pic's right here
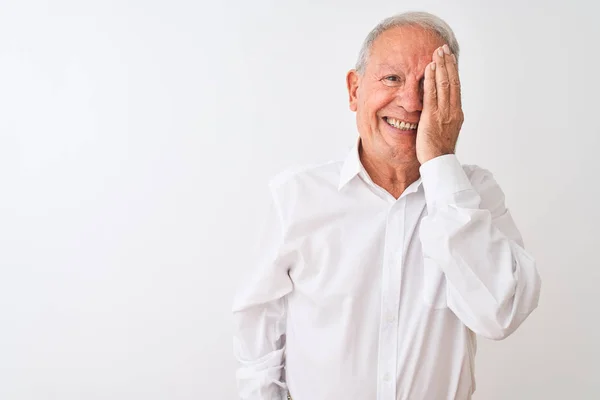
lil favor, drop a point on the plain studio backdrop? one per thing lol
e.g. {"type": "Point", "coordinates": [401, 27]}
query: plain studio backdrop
{"type": "Point", "coordinates": [137, 137]}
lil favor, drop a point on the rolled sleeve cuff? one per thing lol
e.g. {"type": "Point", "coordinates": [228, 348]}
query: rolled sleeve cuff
{"type": "Point", "coordinates": [442, 178]}
{"type": "Point", "coordinates": [262, 379]}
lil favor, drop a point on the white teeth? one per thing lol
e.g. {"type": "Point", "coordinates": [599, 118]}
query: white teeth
{"type": "Point", "coordinates": [401, 124]}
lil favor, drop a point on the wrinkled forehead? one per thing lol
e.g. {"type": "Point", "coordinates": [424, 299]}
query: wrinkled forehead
{"type": "Point", "coordinates": [409, 47]}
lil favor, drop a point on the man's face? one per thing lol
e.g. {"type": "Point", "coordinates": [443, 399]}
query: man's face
{"type": "Point", "coordinates": [390, 91]}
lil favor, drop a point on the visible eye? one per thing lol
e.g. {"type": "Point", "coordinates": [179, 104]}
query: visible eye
{"type": "Point", "coordinates": [391, 80]}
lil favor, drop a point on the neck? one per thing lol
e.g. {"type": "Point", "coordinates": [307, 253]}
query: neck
{"type": "Point", "coordinates": [391, 175]}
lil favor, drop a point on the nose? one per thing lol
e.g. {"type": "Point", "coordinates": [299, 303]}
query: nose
{"type": "Point", "coordinates": [410, 97]}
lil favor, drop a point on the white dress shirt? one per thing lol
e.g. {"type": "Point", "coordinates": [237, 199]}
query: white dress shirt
{"type": "Point", "coordinates": [358, 295]}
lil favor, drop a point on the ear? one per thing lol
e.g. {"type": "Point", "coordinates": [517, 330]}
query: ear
{"type": "Point", "coordinates": [352, 79]}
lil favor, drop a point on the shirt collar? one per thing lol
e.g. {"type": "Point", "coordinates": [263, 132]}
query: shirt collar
{"type": "Point", "coordinates": [352, 167]}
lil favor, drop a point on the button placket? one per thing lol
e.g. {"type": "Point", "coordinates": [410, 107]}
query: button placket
{"type": "Point", "coordinates": [391, 275]}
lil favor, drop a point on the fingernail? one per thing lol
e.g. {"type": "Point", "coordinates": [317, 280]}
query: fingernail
{"type": "Point", "coordinates": [454, 58]}
{"type": "Point", "coordinates": [446, 49]}
{"type": "Point", "coordinates": [432, 66]}
{"type": "Point", "coordinates": [440, 52]}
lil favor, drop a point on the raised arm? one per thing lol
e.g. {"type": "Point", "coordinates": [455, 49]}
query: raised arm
{"type": "Point", "coordinates": [492, 283]}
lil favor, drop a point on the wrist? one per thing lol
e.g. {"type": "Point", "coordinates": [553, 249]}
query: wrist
{"type": "Point", "coordinates": [430, 155]}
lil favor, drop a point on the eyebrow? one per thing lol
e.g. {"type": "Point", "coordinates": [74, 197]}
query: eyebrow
{"type": "Point", "coordinates": [389, 66]}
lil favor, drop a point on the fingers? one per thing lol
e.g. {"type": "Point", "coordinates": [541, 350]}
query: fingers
{"type": "Point", "coordinates": [441, 79]}
{"type": "Point", "coordinates": [452, 69]}
{"type": "Point", "coordinates": [430, 101]}
{"type": "Point", "coordinates": [447, 82]}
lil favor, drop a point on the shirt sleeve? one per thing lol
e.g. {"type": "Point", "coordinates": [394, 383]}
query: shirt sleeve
{"type": "Point", "coordinates": [492, 283]}
{"type": "Point", "coordinates": [259, 315]}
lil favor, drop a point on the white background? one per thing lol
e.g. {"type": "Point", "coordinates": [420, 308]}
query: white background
{"type": "Point", "coordinates": [136, 139]}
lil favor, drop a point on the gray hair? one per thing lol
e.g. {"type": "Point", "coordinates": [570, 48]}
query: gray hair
{"type": "Point", "coordinates": [424, 20]}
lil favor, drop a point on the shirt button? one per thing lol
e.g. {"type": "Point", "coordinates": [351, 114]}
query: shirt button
{"type": "Point", "coordinates": [391, 318]}
{"type": "Point", "coordinates": [387, 377]}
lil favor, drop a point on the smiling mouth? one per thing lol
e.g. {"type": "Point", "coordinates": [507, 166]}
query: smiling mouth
{"type": "Point", "coordinates": [398, 124]}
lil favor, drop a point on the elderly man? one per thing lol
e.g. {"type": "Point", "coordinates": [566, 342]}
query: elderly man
{"type": "Point", "coordinates": [378, 271]}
